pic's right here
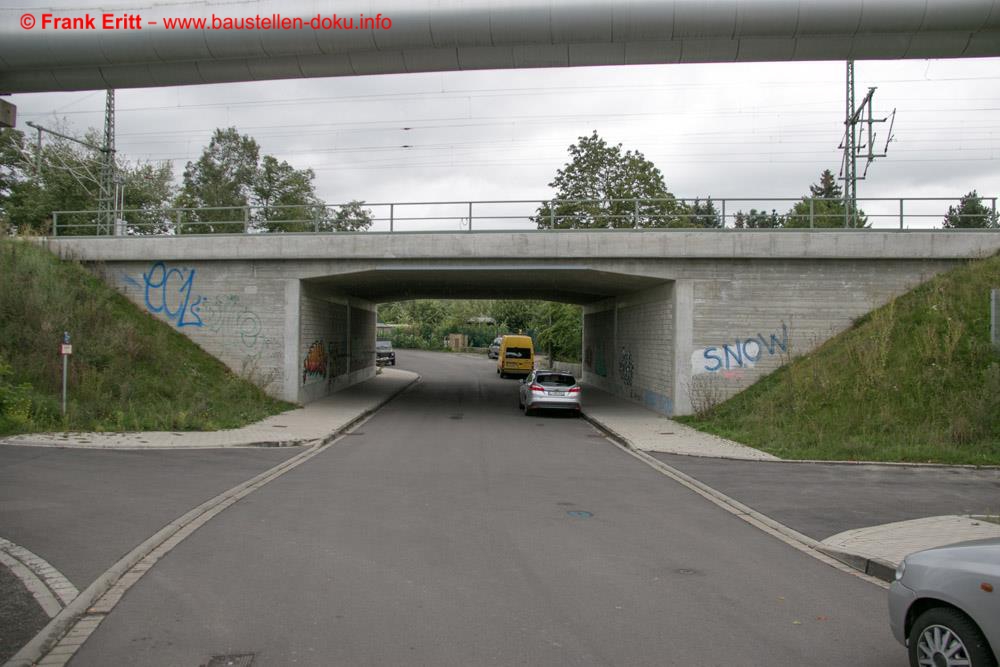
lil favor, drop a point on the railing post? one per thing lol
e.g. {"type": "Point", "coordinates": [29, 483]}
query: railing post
{"type": "Point", "coordinates": [900, 212]}
{"type": "Point", "coordinates": [392, 216]}
{"type": "Point", "coordinates": [552, 214]}
{"type": "Point", "coordinates": [246, 219]}
{"type": "Point", "coordinates": [723, 213]}
{"type": "Point", "coordinates": [470, 216]}
{"type": "Point", "coordinates": [812, 212]}
{"type": "Point", "coordinates": [635, 213]}
{"type": "Point", "coordinates": [995, 211]}
{"type": "Point", "coordinates": [180, 224]}
{"type": "Point", "coordinates": [55, 223]}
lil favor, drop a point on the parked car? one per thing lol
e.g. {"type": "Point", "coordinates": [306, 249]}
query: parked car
{"type": "Point", "coordinates": [549, 389]}
{"type": "Point", "coordinates": [494, 350]}
{"type": "Point", "coordinates": [516, 356]}
{"type": "Point", "coordinates": [944, 605]}
{"type": "Point", "coordinates": [384, 354]}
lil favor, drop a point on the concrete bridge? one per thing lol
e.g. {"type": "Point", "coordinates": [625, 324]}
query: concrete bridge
{"type": "Point", "coordinates": [672, 318]}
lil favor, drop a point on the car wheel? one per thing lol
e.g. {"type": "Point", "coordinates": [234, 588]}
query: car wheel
{"type": "Point", "coordinates": [945, 637]}
{"type": "Point", "coordinates": [503, 376]}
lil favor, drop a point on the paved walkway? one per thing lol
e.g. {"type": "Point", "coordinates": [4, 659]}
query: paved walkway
{"type": "Point", "coordinates": [301, 426]}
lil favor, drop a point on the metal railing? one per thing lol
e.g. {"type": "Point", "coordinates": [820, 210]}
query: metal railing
{"type": "Point", "coordinates": [913, 213]}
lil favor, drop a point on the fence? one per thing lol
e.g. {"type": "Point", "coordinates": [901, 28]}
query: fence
{"type": "Point", "coordinates": [911, 213]}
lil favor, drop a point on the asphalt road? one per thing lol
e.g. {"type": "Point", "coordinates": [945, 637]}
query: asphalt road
{"type": "Point", "coordinates": [452, 530]}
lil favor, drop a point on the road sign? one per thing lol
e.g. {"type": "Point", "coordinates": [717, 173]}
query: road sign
{"type": "Point", "coordinates": [65, 349]}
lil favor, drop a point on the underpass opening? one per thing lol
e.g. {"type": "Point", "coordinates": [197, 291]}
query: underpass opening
{"type": "Point", "coordinates": [625, 327]}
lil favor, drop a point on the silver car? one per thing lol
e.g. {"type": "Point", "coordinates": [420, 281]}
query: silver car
{"type": "Point", "coordinates": [549, 389]}
{"type": "Point", "coordinates": [945, 605]}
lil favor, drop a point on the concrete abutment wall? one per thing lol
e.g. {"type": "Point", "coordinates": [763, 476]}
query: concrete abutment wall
{"type": "Point", "coordinates": [296, 341]}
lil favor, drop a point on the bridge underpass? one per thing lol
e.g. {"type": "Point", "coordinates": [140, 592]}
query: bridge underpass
{"type": "Point", "coordinates": [671, 317]}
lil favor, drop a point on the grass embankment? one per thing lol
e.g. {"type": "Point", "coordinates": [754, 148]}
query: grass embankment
{"type": "Point", "coordinates": [916, 380]}
{"type": "Point", "coordinates": [128, 371]}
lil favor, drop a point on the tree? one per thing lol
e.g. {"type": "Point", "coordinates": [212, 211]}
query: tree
{"type": "Point", "coordinates": [222, 178]}
{"type": "Point", "coordinates": [62, 176]}
{"type": "Point", "coordinates": [970, 214]}
{"type": "Point", "coordinates": [704, 215]}
{"type": "Point", "coordinates": [257, 192]}
{"type": "Point", "coordinates": [824, 207]}
{"type": "Point", "coordinates": [148, 189]}
{"type": "Point", "coordinates": [758, 220]}
{"type": "Point", "coordinates": [286, 198]}
{"type": "Point", "coordinates": [351, 217]}
{"type": "Point", "coordinates": [603, 187]}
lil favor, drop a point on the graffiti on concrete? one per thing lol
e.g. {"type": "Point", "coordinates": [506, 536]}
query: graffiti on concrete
{"type": "Point", "coordinates": [742, 353]}
{"type": "Point", "coordinates": [169, 292]}
{"type": "Point", "coordinates": [626, 368]}
{"type": "Point", "coordinates": [657, 401]}
{"type": "Point", "coordinates": [228, 316]}
{"type": "Point", "coordinates": [314, 367]}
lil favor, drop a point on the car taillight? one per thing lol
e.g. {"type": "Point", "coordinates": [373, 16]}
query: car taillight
{"type": "Point", "coordinates": [536, 387]}
{"type": "Point", "coordinates": [574, 390]}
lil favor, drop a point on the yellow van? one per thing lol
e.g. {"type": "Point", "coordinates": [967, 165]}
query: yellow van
{"type": "Point", "coordinates": [516, 357]}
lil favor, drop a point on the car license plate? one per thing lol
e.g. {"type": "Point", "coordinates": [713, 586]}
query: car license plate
{"type": "Point", "coordinates": [558, 393]}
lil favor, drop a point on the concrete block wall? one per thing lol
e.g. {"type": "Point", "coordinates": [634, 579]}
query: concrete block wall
{"type": "Point", "coordinates": [760, 314]}
{"type": "Point", "coordinates": [629, 347]}
{"type": "Point", "coordinates": [227, 308]}
{"type": "Point", "coordinates": [336, 342]}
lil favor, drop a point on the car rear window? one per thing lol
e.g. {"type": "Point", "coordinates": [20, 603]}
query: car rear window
{"type": "Point", "coordinates": [383, 345]}
{"type": "Point", "coordinates": [518, 353]}
{"type": "Point", "coordinates": [561, 380]}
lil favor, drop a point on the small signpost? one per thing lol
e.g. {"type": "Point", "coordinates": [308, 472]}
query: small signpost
{"type": "Point", "coordinates": [65, 350]}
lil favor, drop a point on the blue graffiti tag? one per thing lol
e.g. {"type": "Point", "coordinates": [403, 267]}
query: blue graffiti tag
{"type": "Point", "coordinates": [745, 352]}
{"type": "Point", "coordinates": [159, 293]}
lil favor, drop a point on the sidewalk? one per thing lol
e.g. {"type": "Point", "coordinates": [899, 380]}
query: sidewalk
{"type": "Point", "coordinates": [300, 426]}
{"type": "Point", "coordinates": [860, 514]}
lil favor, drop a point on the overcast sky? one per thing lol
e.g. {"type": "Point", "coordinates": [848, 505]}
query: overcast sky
{"type": "Point", "coordinates": [720, 130]}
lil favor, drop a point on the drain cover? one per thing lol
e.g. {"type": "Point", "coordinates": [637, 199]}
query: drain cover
{"type": "Point", "coordinates": [458, 416]}
{"type": "Point", "coordinates": [237, 660]}
{"type": "Point", "coordinates": [580, 514]}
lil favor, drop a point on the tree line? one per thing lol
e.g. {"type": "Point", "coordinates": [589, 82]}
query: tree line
{"type": "Point", "coordinates": [604, 186]}
{"type": "Point", "coordinates": [233, 186]}
{"type": "Point", "coordinates": [557, 328]}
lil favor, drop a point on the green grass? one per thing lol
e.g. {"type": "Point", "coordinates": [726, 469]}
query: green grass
{"type": "Point", "coordinates": [916, 380]}
{"type": "Point", "coordinates": [128, 371]}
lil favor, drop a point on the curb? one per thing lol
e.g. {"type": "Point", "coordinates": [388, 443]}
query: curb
{"type": "Point", "coordinates": [850, 563]}
{"type": "Point", "coordinates": [43, 642]}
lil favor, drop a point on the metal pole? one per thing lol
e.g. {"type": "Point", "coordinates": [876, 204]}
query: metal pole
{"type": "Point", "coordinates": [723, 213]}
{"type": "Point", "coordinates": [850, 163]}
{"type": "Point", "coordinates": [635, 213]}
{"type": "Point", "coordinates": [246, 219]}
{"type": "Point", "coordinates": [900, 212]}
{"type": "Point", "coordinates": [470, 216]}
{"type": "Point", "coordinates": [995, 319]}
{"type": "Point", "coordinates": [812, 211]}
{"type": "Point", "coordinates": [392, 215]}
{"type": "Point", "coordinates": [65, 375]}
{"type": "Point", "coordinates": [55, 223]}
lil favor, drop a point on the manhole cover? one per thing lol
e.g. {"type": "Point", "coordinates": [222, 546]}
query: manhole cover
{"type": "Point", "coordinates": [685, 570]}
{"type": "Point", "coordinates": [580, 514]}
{"type": "Point", "coordinates": [278, 426]}
{"type": "Point", "coordinates": [240, 660]}
{"type": "Point", "coordinates": [666, 433]}
{"type": "Point", "coordinates": [458, 416]}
